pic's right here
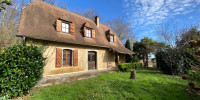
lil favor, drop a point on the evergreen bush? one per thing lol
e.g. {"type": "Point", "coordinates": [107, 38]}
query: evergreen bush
{"type": "Point", "coordinates": [124, 67]}
{"type": "Point", "coordinates": [172, 61]}
{"type": "Point", "coordinates": [21, 67]}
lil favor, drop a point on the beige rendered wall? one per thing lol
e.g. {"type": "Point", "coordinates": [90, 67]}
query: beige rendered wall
{"type": "Point", "coordinates": [104, 58]}
{"type": "Point", "coordinates": [121, 58]}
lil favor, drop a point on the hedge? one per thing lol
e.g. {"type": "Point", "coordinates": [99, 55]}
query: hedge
{"type": "Point", "coordinates": [124, 67]}
{"type": "Point", "coordinates": [179, 64]}
{"type": "Point", "coordinates": [21, 67]}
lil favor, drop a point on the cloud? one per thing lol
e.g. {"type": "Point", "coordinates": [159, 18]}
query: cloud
{"type": "Point", "coordinates": [148, 12]}
{"type": "Point", "coordinates": [190, 17]}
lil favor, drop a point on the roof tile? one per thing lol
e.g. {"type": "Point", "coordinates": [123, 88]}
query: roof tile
{"type": "Point", "coordinates": [38, 21]}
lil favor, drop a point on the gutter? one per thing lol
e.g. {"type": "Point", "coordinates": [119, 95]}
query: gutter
{"type": "Point", "coordinates": [24, 41]}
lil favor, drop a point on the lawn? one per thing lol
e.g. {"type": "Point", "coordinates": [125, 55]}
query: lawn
{"type": "Point", "coordinates": [149, 85]}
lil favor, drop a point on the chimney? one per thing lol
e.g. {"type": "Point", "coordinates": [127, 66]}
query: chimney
{"type": "Point", "coordinates": [97, 21]}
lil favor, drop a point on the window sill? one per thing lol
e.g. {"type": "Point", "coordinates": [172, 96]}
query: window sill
{"type": "Point", "coordinates": [66, 66]}
{"type": "Point", "coordinates": [65, 33]}
{"type": "Point", "coordinates": [89, 38]}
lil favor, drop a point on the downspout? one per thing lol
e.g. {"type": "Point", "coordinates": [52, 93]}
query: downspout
{"type": "Point", "coordinates": [24, 40]}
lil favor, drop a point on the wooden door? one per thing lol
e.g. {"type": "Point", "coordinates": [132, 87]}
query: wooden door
{"type": "Point", "coordinates": [91, 60]}
{"type": "Point", "coordinates": [116, 59]}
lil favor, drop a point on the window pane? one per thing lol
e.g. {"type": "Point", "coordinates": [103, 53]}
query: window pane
{"type": "Point", "coordinates": [68, 62]}
{"type": "Point", "coordinates": [67, 30]}
{"type": "Point", "coordinates": [64, 62]}
{"type": "Point", "coordinates": [64, 52]}
{"type": "Point", "coordinates": [67, 25]}
{"type": "Point", "coordinates": [93, 57]}
{"type": "Point", "coordinates": [64, 57]}
{"type": "Point", "coordinates": [63, 29]}
{"type": "Point", "coordinates": [111, 38]}
{"type": "Point", "coordinates": [63, 25]}
{"type": "Point", "coordinates": [69, 57]}
{"type": "Point", "coordinates": [88, 33]}
{"type": "Point", "coordinates": [88, 57]}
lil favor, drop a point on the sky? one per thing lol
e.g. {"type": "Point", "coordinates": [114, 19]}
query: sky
{"type": "Point", "coordinates": [143, 15]}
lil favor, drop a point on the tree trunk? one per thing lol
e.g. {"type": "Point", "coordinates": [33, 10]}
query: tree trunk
{"type": "Point", "coordinates": [147, 61]}
{"type": "Point", "coordinates": [133, 74]}
{"type": "Point", "coordinates": [144, 61]}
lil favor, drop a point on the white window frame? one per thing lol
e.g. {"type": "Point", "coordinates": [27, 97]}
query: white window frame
{"type": "Point", "coordinates": [65, 27]}
{"type": "Point", "coordinates": [112, 38]}
{"type": "Point", "coordinates": [88, 33]}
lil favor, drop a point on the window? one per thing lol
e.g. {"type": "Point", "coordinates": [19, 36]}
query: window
{"type": "Point", "coordinates": [67, 57]}
{"type": "Point", "coordinates": [65, 27]}
{"type": "Point", "coordinates": [111, 38]}
{"type": "Point", "coordinates": [88, 33]}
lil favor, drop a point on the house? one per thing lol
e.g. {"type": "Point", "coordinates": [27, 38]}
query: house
{"type": "Point", "coordinates": [72, 43]}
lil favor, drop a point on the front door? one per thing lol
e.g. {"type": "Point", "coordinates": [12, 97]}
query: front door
{"type": "Point", "coordinates": [91, 60]}
{"type": "Point", "coordinates": [116, 59]}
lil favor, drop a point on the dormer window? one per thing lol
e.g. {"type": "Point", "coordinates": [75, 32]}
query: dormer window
{"type": "Point", "coordinates": [88, 33]}
{"type": "Point", "coordinates": [65, 27]}
{"type": "Point", "coordinates": [111, 38]}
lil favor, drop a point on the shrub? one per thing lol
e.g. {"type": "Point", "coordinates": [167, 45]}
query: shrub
{"type": "Point", "coordinates": [194, 75]}
{"type": "Point", "coordinates": [124, 67]}
{"type": "Point", "coordinates": [21, 67]}
{"type": "Point", "coordinates": [172, 61]}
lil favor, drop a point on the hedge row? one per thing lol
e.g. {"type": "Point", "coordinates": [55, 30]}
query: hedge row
{"type": "Point", "coordinates": [21, 67]}
{"type": "Point", "coordinates": [124, 67]}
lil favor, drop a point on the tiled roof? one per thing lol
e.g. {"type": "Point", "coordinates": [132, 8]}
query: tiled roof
{"type": "Point", "coordinates": [38, 21]}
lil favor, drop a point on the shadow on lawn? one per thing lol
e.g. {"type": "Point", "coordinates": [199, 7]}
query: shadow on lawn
{"type": "Point", "coordinates": [147, 72]}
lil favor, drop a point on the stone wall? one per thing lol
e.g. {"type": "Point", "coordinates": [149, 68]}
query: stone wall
{"type": "Point", "coordinates": [69, 77]}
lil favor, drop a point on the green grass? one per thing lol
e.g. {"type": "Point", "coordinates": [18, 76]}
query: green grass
{"type": "Point", "coordinates": [149, 85]}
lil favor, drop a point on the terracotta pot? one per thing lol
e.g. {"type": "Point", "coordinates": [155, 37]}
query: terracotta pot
{"type": "Point", "coordinates": [197, 89]}
{"type": "Point", "coordinates": [185, 77]}
{"type": "Point", "coordinates": [192, 84]}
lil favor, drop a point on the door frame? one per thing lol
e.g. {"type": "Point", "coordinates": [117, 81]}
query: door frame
{"type": "Point", "coordinates": [97, 67]}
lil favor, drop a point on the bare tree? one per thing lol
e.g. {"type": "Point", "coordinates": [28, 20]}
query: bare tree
{"type": "Point", "coordinates": [4, 3]}
{"type": "Point", "coordinates": [172, 33]}
{"type": "Point", "coordinates": [90, 13]}
{"type": "Point", "coordinates": [52, 2]}
{"type": "Point", "coordinates": [9, 20]}
{"type": "Point", "coordinates": [121, 28]}
{"type": "Point", "coordinates": [177, 39]}
{"type": "Point", "coordinates": [78, 12]}
{"type": "Point", "coordinates": [25, 2]}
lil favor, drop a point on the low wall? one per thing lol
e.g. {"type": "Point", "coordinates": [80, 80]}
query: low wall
{"type": "Point", "coordinates": [69, 77]}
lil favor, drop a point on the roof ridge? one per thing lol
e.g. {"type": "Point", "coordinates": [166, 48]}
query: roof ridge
{"type": "Point", "coordinates": [64, 10]}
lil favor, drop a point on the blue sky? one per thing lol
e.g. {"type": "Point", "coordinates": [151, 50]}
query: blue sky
{"type": "Point", "coordinates": [107, 9]}
{"type": "Point", "coordinates": [144, 15]}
